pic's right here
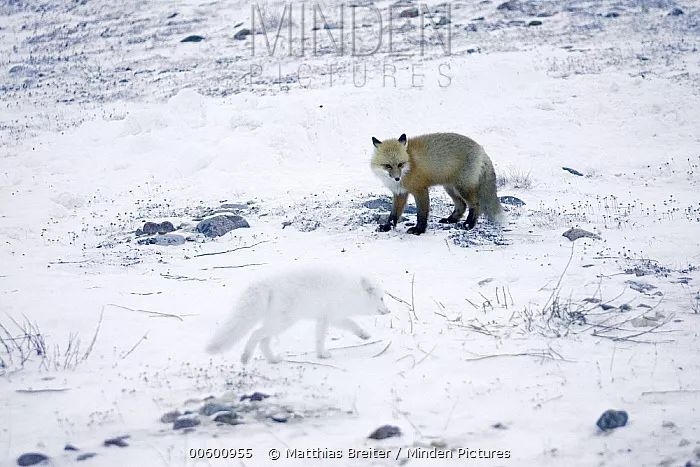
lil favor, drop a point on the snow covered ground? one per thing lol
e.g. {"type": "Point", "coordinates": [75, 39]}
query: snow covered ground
{"type": "Point", "coordinates": [501, 340]}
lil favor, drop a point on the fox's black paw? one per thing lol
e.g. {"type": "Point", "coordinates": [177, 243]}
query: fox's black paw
{"type": "Point", "coordinates": [416, 230]}
{"type": "Point", "coordinates": [384, 227]}
{"type": "Point", "coordinates": [468, 225]}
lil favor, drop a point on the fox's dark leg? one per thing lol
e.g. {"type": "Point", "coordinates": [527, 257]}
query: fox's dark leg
{"type": "Point", "coordinates": [460, 206]}
{"type": "Point", "coordinates": [423, 205]}
{"type": "Point", "coordinates": [471, 195]}
{"type": "Point", "coordinates": [396, 211]}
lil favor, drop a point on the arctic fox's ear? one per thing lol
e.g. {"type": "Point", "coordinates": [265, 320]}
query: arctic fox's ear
{"type": "Point", "coordinates": [376, 142]}
{"type": "Point", "coordinates": [402, 139]}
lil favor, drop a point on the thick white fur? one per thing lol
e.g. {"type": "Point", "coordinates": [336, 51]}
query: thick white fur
{"type": "Point", "coordinates": [324, 294]}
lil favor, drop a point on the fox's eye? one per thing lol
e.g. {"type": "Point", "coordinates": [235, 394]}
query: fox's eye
{"type": "Point", "coordinates": [401, 165]}
{"type": "Point", "coordinates": [387, 166]}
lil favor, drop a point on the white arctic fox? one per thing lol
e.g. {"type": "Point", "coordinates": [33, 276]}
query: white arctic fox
{"type": "Point", "coordinates": [326, 295]}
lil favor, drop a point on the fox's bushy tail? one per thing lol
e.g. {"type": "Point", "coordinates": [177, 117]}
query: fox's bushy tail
{"type": "Point", "coordinates": [243, 319]}
{"type": "Point", "coordinates": [488, 199]}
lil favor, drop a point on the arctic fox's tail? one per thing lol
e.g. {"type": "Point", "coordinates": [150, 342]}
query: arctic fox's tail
{"type": "Point", "coordinates": [241, 321]}
{"type": "Point", "coordinates": [488, 199]}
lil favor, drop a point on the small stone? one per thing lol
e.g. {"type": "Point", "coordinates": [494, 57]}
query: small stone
{"type": "Point", "coordinates": [612, 419]}
{"type": "Point", "coordinates": [255, 397]}
{"type": "Point", "coordinates": [70, 447]}
{"type": "Point", "coordinates": [211, 408]}
{"type": "Point", "coordinates": [279, 418]}
{"type": "Point", "coordinates": [228, 417]}
{"type": "Point", "coordinates": [683, 442]}
{"type": "Point", "coordinates": [625, 307]}
{"type": "Point", "coordinates": [32, 458]}
{"type": "Point", "coordinates": [641, 287]}
{"type": "Point", "coordinates": [573, 171]}
{"type": "Point", "coordinates": [409, 13]}
{"type": "Point", "coordinates": [163, 240]}
{"type": "Point", "coordinates": [118, 441]}
{"type": "Point", "coordinates": [149, 228]}
{"type": "Point", "coordinates": [511, 200]}
{"type": "Point", "coordinates": [575, 233]}
{"type": "Point", "coordinates": [511, 5]}
{"type": "Point", "coordinates": [442, 21]}
{"type": "Point", "coordinates": [193, 38]}
{"type": "Point", "coordinates": [385, 431]}
{"type": "Point", "coordinates": [499, 426]}
{"type": "Point", "coordinates": [535, 22]}
{"type": "Point", "coordinates": [606, 306]}
{"type": "Point", "coordinates": [220, 225]}
{"type": "Point", "coordinates": [186, 421]}
{"type": "Point", "coordinates": [170, 417]}
{"type": "Point", "coordinates": [675, 12]}
{"type": "Point", "coordinates": [85, 456]}
{"type": "Point", "coordinates": [242, 34]}
{"type": "Point", "coordinates": [668, 424]}
{"type": "Point", "coordinates": [612, 14]}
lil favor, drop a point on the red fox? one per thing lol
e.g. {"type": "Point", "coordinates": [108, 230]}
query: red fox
{"type": "Point", "coordinates": [454, 161]}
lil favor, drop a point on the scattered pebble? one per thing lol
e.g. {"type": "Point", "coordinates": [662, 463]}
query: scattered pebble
{"type": "Point", "coordinates": [409, 13]}
{"type": "Point", "coordinates": [612, 419]}
{"type": "Point", "coordinates": [118, 441]}
{"type": "Point", "coordinates": [535, 22]}
{"type": "Point", "coordinates": [573, 171]}
{"type": "Point", "coordinates": [675, 12]}
{"type": "Point", "coordinates": [625, 307]}
{"type": "Point", "coordinates": [85, 456]}
{"type": "Point", "coordinates": [186, 421]}
{"type": "Point", "coordinates": [242, 34]}
{"type": "Point", "coordinates": [152, 228]}
{"type": "Point", "coordinates": [70, 447]}
{"type": "Point", "coordinates": [170, 417]}
{"type": "Point", "coordinates": [575, 233]}
{"type": "Point", "coordinates": [511, 201]}
{"type": "Point", "coordinates": [612, 14]}
{"type": "Point", "coordinates": [32, 458]}
{"type": "Point", "coordinates": [193, 38]}
{"type": "Point", "coordinates": [229, 418]}
{"type": "Point", "coordinates": [385, 431]}
{"type": "Point", "coordinates": [641, 287]}
{"type": "Point", "coordinates": [211, 408]}
{"type": "Point", "coordinates": [163, 240]}
{"type": "Point", "coordinates": [255, 397]}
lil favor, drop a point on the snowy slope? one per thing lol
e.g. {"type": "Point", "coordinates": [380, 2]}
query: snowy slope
{"type": "Point", "coordinates": [497, 340]}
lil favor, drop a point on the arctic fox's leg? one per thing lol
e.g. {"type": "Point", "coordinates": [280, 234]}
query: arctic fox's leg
{"type": "Point", "coordinates": [321, 331]}
{"type": "Point", "coordinates": [353, 327]}
{"type": "Point", "coordinates": [267, 351]}
{"type": "Point", "coordinates": [251, 344]}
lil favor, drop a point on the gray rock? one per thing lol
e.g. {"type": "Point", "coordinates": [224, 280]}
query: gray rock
{"type": "Point", "coordinates": [573, 171]}
{"type": "Point", "coordinates": [575, 233]}
{"type": "Point", "coordinates": [279, 418]}
{"type": "Point", "coordinates": [152, 228]}
{"type": "Point", "coordinates": [117, 441]}
{"type": "Point", "coordinates": [170, 417]}
{"type": "Point", "coordinates": [228, 418]}
{"type": "Point", "coordinates": [32, 458]}
{"type": "Point", "coordinates": [255, 397]}
{"type": "Point", "coordinates": [535, 22]}
{"type": "Point", "coordinates": [210, 408]}
{"type": "Point", "coordinates": [511, 5]}
{"type": "Point", "coordinates": [612, 419]}
{"type": "Point", "coordinates": [385, 431]}
{"type": "Point", "coordinates": [70, 447]}
{"type": "Point", "coordinates": [675, 12]}
{"type": "Point", "coordinates": [242, 34]}
{"type": "Point", "coordinates": [625, 307]}
{"type": "Point", "coordinates": [220, 225]}
{"type": "Point", "coordinates": [409, 13]}
{"type": "Point", "coordinates": [193, 38]}
{"type": "Point", "coordinates": [85, 456]}
{"type": "Point", "coordinates": [612, 14]}
{"type": "Point", "coordinates": [163, 240]}
{"type": "Point", "coordinates": [186, 421]}
{"type": "Point", "coordinates": [511, 200]}
{"type": "Point", "coordinates": [641, 287]}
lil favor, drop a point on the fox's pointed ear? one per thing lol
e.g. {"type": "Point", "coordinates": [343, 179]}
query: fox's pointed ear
{"type": "Point", "coordinates": [376, 142]}
{"type": "Point", "coordinates": [402, 139]}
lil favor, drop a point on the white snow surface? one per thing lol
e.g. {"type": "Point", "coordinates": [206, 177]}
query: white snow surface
{"type": "Point", "coordinates": [496, 340]}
